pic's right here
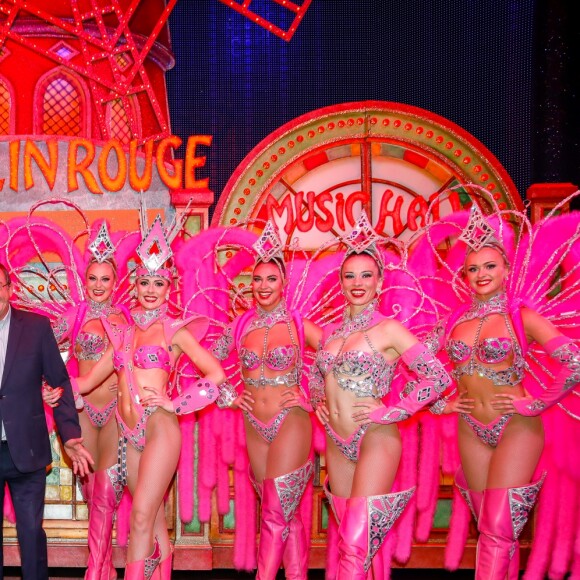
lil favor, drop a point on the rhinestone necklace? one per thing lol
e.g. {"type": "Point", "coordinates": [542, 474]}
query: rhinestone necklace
{"type": "Point", "coordinates": [98, 309]}
{"type": "Point", "coordinates": [269, 318]}
{"type": "Point", "coordinates": [145, 318]}
{"type": "Point", "coordinates": [360, 321]}
{"type": "Point", "coordinates": [497, 304]}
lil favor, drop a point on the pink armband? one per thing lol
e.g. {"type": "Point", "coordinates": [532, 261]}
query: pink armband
{"type": "Point", "coordinates": [79, 403]}
{"type": "Point", "coordinates": [566, 352]}
{"type": "Point", "coordinates": [196, 396]}
{"type": "Point", "coordinates": [412, 353]}
{"type": "Point", "coordinates": [555, 343]}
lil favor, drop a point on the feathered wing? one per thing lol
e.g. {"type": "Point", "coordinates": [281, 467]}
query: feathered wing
{"type": "Point", "coordinates": [214, 267]}
{"type": "Point", "coordinates": [48, 264]}
{"type": "Point", "coordinates": [544, 275]}
{"type": "Point", "coordinates": [210, 265]}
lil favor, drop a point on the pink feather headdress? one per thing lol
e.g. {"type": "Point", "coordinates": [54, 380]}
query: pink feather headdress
{"type": "Point", "coordinates": [155, 248]}
{"type": "Point", "coordinates": [363, 240]}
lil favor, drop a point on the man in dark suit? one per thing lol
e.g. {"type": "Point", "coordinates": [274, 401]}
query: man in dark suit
{"type": "Point", "coordinates": [29, 354]}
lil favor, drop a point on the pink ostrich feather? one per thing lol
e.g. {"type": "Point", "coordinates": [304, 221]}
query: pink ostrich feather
{"type": "Point", "coordinates": [458, 531]}
{"type": "Point", "coordinates": [9, 507]}
{"type": "Point", "coordinates": [185, 467]}
{"type": "Point", "coordinates": [428, 481]}
{"type": "Point", "coordinates": [546, 510]}
{"type": "Point", "coordinates": [407, 478]}
{"type": "Point", "coordinates": [566, 527]}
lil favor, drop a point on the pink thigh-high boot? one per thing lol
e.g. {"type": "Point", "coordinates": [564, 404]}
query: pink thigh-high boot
{"type": "Point", "coordinates": [147, 569]}
{"type": "Point", "coordinates": [504, 513]}
{"type": "Point", "coordinates": [87, 484]}
{"type": "Point", "coordinates": [280, 500]}
{"type": "Point", "coordinates": [295, 557]}
{"type": "Point", "coordinates": [363, 529]}
{"type": "Point", "coordinates": [473, 499]}
{"type": "Point", "coordinates": [105, 498]}
{"type": "Point", "coordinates": [165, 566]}
{"type": "Point", "coordinates": [338, 506]}
{"type": "Point", "coordinates": [337, 503]}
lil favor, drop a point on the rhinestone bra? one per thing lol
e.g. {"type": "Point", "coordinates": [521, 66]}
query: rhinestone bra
{"type": "Point", "coordinates": [363, 373]}
{"type": "Point", "coordinates": [279, 358]}
{"type": "Point", "coordinates": [488, 350]}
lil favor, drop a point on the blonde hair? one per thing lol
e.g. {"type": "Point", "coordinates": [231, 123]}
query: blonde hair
{"type": "Point", "coordinates": [494, 245]}
{"type": "Point", "coordinates": [110, 261]}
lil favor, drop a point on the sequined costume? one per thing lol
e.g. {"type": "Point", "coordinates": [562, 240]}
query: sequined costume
{"type": "Point", "coordinates": [531, 368]}
{"type": "Point", "coordinates": [281, 358]}
{"type": "Point", "coordinates": [89, 345]}
{"type": "Point", "coordinates": [125, 358]}
{"type": "Point", "coordinates": [369, 375]}
{"type": "Point", "coordinates": [364, 522]}
{"type": "Point", "coordinates": [475, 359]}
{"type": "Point", "coordinates": [283, 536]}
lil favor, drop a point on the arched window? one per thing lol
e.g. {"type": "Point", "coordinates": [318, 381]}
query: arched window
{"type": "Point", "coordinates": [122, 120]}
{"type": "Point", "coordinates": [61, 105]}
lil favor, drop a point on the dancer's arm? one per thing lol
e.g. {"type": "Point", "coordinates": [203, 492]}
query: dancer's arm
{"type": "Point", "coordinates": [101, 371]}
{"type": "Point", "coordinates": [450, 402]}
{"type": "Point", "coordinates": [194, 395]}
{"type": "Point", "coordinates": [296, 397]}
{"type": "Point", "coordinates": [432, 380]}
{"type": "Point", "coordinates": [562, 349]}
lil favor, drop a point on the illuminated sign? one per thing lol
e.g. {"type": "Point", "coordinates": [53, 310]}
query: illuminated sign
{"type": "Point", "coordinates": [71, 165]}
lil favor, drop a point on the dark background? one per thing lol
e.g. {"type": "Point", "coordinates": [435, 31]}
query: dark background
{"type": "Point", "coordinates": [506, 71]}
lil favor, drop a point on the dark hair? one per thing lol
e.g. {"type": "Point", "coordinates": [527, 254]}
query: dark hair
{"type": "Point", "coordinates": [366, 252]}
{"type": "Point", "coordinates": [278, 261]}
{"type": "Point", "coordinates": [4, 269]}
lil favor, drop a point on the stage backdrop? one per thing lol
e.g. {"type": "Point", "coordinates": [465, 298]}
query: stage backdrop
{"type": "Point", "coordinates": [470, 62]}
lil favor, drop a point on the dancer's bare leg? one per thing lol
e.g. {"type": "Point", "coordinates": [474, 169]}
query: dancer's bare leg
{"type": "Point", "coordinates": [149, 475]}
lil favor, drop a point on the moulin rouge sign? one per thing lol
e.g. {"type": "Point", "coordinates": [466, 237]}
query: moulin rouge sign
{"type": "Point", "coordinates": [81, 164]}
{"type": "Point", "coordinates": [51, 165]}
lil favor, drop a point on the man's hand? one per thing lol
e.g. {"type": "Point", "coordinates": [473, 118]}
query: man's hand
{"type": "Point", "coordinates": [81, 458]}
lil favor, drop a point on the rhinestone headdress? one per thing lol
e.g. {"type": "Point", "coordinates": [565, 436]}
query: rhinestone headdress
{"type": "Point", "coordinates": [363, 240]}
{"type": "Point", "coordinates": [155, 247]}
{"type": "Point", "coordinates": [478, 232]}
{"type": "Point", "coordinates": [102, 248]}
{"type": "Point", "coordinates": [269, 245]}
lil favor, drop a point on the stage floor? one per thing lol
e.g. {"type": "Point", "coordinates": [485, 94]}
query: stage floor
{"type": "Point", "coordinates": [396, 574]}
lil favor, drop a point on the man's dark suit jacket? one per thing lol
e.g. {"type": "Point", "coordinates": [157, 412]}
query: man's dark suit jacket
{"type": "Point", "coordinates": [32, 355]}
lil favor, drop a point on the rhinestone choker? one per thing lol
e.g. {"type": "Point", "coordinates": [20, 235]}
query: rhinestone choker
{"type": "Point", "coordinates": [145, 318]}
{"type": "Point", "coordinates": [360, 321]}
{"type": "Point", "coordinates": [497, 304]}
{"type": "Point", "coordinates": [269, 318]}
{"type": "Point", "coordinates": [98, 309]}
